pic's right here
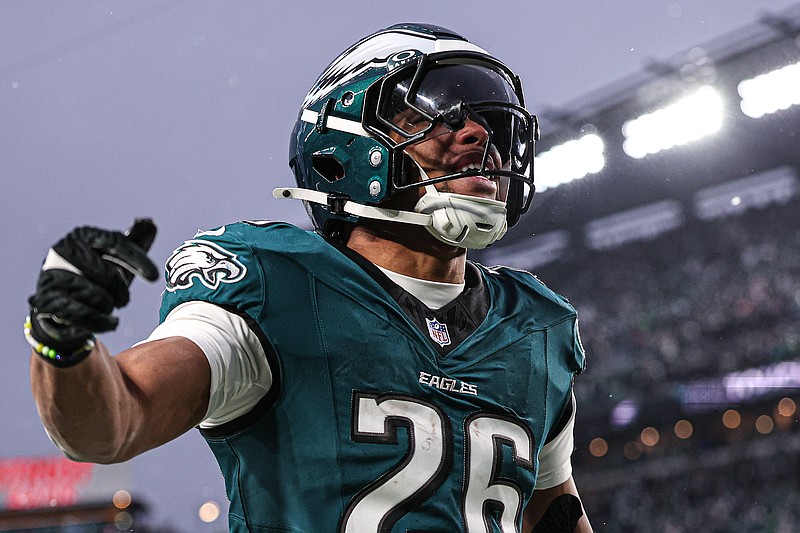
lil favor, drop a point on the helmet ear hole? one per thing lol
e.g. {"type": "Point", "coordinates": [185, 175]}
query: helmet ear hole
{"type": "Point", "coordinates": [328, 167]}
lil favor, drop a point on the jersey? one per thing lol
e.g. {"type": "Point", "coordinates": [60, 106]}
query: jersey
{"type": "Point", "coordinates": [373, 422]}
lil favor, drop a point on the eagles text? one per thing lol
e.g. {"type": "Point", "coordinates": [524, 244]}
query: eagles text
{"type": "Point", "coordinates": [448, 384]}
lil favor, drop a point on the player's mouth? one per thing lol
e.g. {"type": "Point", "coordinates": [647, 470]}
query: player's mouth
{"type": "Point", "coordinates": [472, 160]}
{"type": "Point", "coordinates": [477, 166]}
{"type": "Point", "coordinates": [475, 183]}
{"type": "Point", "coordinates": [473, 163]}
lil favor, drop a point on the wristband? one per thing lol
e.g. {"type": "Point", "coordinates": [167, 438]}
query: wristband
{"type": "Point", "coordinates": [51, 355]}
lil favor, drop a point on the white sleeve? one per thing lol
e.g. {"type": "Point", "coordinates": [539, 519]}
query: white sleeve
{"type": "Point", "coordinates": [240, 373]}
{"type": "Point", "coordinates": [555, 466]}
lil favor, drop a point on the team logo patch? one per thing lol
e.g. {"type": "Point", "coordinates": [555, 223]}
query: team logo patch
{"type": "Point", "coordinates": [205, 261]}
{"type": "Point", "coordinates": [438, 332]}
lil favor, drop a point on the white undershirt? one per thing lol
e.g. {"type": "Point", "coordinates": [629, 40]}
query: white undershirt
{"type": "Point", "coordinates": [434, 294]}
{"type": "Point", "coordinates": [241, 376]}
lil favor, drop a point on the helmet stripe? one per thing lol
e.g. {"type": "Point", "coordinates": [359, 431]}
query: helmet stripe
{"type": "Point", "coordinates": [336, 123]}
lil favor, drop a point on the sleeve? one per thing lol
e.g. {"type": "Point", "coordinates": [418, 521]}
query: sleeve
{"type": "Point", "coordinates": [555, 465]}
{"type": "Point", "coordinates": [217, 266]}
{"type": "Point", "coordinates": [240, 373]}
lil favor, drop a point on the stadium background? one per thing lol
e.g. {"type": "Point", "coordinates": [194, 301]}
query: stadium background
{"type": "Point", "coordinates": [684, 264]}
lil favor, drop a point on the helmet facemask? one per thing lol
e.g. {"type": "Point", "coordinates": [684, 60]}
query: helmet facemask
{"type": "Point", "coordinates": [438, 96]}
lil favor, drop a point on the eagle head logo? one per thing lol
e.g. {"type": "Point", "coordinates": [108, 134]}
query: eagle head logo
{"type": "Point", "coordinates": [205, 261]}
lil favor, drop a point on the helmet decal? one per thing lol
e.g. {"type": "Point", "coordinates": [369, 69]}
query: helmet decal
{"type": "Point", "coordinates": [389, 50]}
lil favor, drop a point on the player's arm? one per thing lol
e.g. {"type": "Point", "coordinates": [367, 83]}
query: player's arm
{"type": "Point", "coordinates": [97, 407]}
{"type": "Point", "coordinates": [556, 510]}
{"type": "Point", "coordinates": [555, 506]}
{"type": "Point", "coordinates": [108, 409]}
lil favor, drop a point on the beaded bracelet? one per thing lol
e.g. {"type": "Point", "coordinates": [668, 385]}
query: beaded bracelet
{"type": "Point", "coordinates": [51, 355]}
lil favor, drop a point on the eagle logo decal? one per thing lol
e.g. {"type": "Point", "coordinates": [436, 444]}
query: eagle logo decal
{"type": "Point", "coordinates": [387, 50]}
{"type": "Point", "coordinates": [204, 261]}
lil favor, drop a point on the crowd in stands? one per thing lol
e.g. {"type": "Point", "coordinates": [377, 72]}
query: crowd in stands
{"type": "Point", "coordinates": [701, 301]}
{"type": "Point", "coordinates": [754, 490]}
{"type": "Point", "coordinates": [706, 299]}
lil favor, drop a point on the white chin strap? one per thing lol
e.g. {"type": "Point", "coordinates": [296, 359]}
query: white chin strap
{"type": "Point", "coordinates": [461, 220]}
{"type": "Point", "coordinates": [455, 219]}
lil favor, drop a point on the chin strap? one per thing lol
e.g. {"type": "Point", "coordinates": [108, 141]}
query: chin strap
{"type": "Point", "coordinates": [339, 205]}
{"type": "Point", "coordinates": [455, 219]}
{"type": "Point", "coordinates": [461, 220]}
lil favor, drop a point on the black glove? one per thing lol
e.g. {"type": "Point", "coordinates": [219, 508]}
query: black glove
{"type": "Point", "coordinates": [85, 277]}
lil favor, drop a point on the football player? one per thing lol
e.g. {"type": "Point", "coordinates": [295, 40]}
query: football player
{"type": "Point", "coordinates": [362, 377]}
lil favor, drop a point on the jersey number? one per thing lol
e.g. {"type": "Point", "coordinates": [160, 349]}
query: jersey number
{"type": "Point", "coordinates": [427, 461]}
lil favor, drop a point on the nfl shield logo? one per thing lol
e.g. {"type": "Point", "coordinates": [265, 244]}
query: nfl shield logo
{"type": "Point", "coordinates": [438, 332]}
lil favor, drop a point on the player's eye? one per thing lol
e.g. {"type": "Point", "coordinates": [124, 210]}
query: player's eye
{"type": "Point", "coordinates": [414, 121]}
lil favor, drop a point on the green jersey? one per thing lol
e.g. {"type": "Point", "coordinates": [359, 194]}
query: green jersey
{"type": "Point", "coordinates": [383, 415]}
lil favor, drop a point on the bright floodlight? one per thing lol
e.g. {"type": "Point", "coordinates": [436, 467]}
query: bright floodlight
{"type": "Point", "coordinates": [689, 119]}
{"type": "Point", "coordinates": [771, 92]}
{"type": "Point", "coordinates": [569, 161]}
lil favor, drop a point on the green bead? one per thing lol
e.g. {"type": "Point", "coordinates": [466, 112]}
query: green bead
{"type": "Point", "coordinates": [51, 353]}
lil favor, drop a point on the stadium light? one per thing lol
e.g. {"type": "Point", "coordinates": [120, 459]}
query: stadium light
{"type": "Point", "coordinates": [689, 119]}
{"type": "Point", "coordinates": [569, 161]}
{"type": "Point", "coordinates": [770, 92]}
{"type": "Point", "coordinates": [209, 512]}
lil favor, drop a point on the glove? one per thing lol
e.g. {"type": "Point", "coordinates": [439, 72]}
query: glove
{"type": "Point", "coordinates": [85, 276]}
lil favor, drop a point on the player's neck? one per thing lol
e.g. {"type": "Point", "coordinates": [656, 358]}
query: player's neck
{"type": "Point", "coordinates": [414, 253]}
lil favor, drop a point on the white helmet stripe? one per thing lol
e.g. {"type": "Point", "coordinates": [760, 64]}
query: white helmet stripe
{"type": "Point", "coordinates": [336, 123]}
{"type": "Point", "coordinates": [375, 52]}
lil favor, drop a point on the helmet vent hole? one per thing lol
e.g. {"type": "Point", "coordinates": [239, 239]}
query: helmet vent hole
{"type": "Point", "coordinates": [328, 167]}
{"type": "Point", "coordinates": [351, 141]}
{"type": "Point", "coordinates": [348, 98]}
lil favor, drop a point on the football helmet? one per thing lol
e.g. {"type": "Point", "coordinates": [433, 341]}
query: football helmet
{"type": "Point", "coordinates": [396, 89]}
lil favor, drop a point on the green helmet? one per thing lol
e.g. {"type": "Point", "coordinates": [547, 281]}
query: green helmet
{"type": "Point", "coordinates": [347, 150]}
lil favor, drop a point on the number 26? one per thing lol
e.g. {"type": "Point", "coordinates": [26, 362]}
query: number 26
{"type": "Point", "coordinates": [381, 504]}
